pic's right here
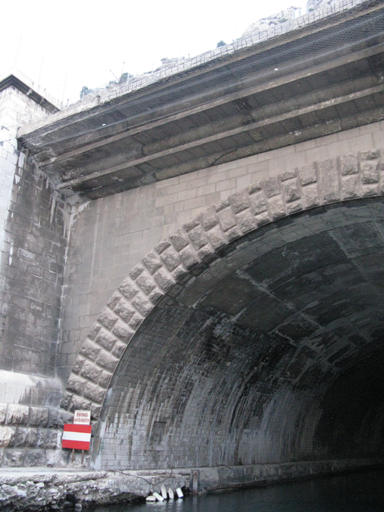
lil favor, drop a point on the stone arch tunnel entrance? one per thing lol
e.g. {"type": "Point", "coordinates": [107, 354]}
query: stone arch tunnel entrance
{"type": "Point", "coordinates": [269, 352]}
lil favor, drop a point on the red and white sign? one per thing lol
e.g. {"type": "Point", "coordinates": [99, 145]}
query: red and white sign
{"type": "Point", "coordinates": [77, 437]}
{"type": "Point", "coordinates": [82, 417]}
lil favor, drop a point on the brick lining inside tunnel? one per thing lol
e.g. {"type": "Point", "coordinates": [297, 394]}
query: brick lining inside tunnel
{"type": "Point", "coordinates": [223, 371]}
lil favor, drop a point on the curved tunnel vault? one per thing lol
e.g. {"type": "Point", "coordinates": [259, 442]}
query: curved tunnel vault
{"type": "Point", "coordinates": [272, 351]}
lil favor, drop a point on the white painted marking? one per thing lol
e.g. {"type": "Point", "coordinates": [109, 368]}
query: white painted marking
{"type": "Point", "coordinates": [76, 436]}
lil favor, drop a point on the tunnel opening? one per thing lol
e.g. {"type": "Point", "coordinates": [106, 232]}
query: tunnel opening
{"type": "Point", "coordinates": [269, 353]}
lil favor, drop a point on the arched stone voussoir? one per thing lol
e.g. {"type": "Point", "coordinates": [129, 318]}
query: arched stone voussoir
{"type": "Point", "coordinates": [345, 178]}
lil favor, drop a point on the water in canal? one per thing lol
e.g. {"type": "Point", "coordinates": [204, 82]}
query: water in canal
{"type": "Point", "coordinates": [361, 492]}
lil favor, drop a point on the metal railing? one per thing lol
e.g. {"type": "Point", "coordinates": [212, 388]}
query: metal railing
{"type": "Point", "coordinates": [135, 83]}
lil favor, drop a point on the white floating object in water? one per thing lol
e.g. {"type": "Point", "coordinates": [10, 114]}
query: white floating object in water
{"type": "Point", "coordinates": [150, 498]}
{"type": "Point", "coordinates": [179, 493]}
{"type": "Point", "coordinates": [164, 492]}
{"type": "Point", "coordinates": [158, 497]}
{"type": "Point", "coordinates": [171, 494]}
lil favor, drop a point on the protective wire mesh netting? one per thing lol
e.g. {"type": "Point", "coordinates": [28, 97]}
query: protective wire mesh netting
{"type": "Point", "coordinates": [220, 75]}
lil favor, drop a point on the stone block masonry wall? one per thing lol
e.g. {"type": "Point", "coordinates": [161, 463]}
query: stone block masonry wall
{"type": "Point", "coordinates": [30, 436]}
{"type": "Point", "coordinates": [32, 256]}
{"type": "Point", "coordinates": [32, 249]}
{"type": "Point", "coordinates": [111, 235]}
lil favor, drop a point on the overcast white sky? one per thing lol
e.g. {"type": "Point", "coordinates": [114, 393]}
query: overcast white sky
{"type": "Point", "coordinates": [65, 45]}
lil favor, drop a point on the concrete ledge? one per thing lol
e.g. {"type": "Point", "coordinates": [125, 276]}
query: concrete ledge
{"type": "Point", "coordinates": [44, 489]}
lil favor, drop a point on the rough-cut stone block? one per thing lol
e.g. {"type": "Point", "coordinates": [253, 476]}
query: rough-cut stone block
{"type": "Point", "coordinates": [217, 237]}
{"type": "Point", "coordinates": [222, 205]}
{"type": "Point", "coordinates": [106, 339]}
{"type": "Point", "coordinates": [239, 201]}
{"type": "Point", "coordinates": [188, 226]}
{"type": "Point", "coordinates": [307, 174]}
{"type": "Point", "coordinates": [205, 251]}
{"type": "Point", "coordinates": [3, 413]}
{"type": "Point", "coordinates": [271, 187]}
{"type": "Point", "coordinates": [124, 309]}
{"type": "Point", "coordinates": [254, 188]}
{"type": "Point", "coordinates": [66, 400]}
{"type": "Point", "coordinates": [78, 364]}
{"type": "Point", "coordinates": [370, 155]}
{"type": "Point", "coordinates": [135, 322]}
{"type": "Point", "coordinates": [122, 330]}
{"type": "Point", "coordinates": [258, 202]}
{"type": "Point", "coordinates": [79, 402]}
{"type": "Point", "coordinates": [208, 219]}
{"type": "Point", "coordinates": [152, 262]}
{"type": "Point", "coordinates": [287, 175]}
{"type": "Point", "coordinates": [291, 190]}
{"type": "Point", "coordinates": [105, 379]}
{"type": "Point", "coordinates": [95, 411]}
{"type": "Point", "coordinates": [188, 257]}
{"type": "Point", "coordinates": [262, 219]}
{"type": "Point", "coordinates": [94, 393]}
{"type": "Point", "coordinates": [38, 416]}
{"type": "Point", "coordinates": [370, 190]}
{"type": "Point", "coordinates": [76, 384]}
{"type": "Point", "coordinates": [90, 371]}
{"type": "Point", "coordinates": [198, 237]}
{"type": "Point", "coordinates": [146, 283]}
{"type": "Point", "coordinates": [155, 296]}
{"type": "Point", "coordinates": [107, 361]}
{"type": "Point", "coordinates": [349, 165]}
{"type": "Point", "coordinates": [95, 328]}
{"type": "Point", "coordinates": [107, 318]}
{"type": "Point", "coordinates": [35, 458]}
{"type": "Point", "coordinates": [294, 207]}
{"type": "Point", "coordinates": [43, 438]}
{"type": "Point", "coordinates": [329, 181]}
{"type": "Point", "coordinates": [370, 172]}
{"type": "Point", "coordinates": [47, 438]}
{"type": "Point", "coordinates": [179, 272]}
{"type": "Point", "coordinates": [17, 414]}
{"type": "Point", "coordinates": [246, 221]}
{"type": "Point", "coordinates": [161, 246]}
{"type": "Point", "coordinates": [170, 258]}
{"type": "Point", "coordinates": [128, 289]}
{"type": "Point", "coordinates": [310, 196]}
{"type": "Point", "coordinates": [179, 240]}
{"type": "Point", "coordinates": [90, 350]}
{"type": "Point", "coordinates": [118, 349]}
{"type": "Point", "coordinates": [112, 302]}
{"type": "Point", "coordinates": [26, 437]}
{"type": "Point", "coordinates": [14, 458]}
{"type": "Point", "coordinates": [164, 280]}
{"type": "Point", "coordinates": [7, 436]}
{"type": "Point", "coordinates": [136, 271]}
{"type": "Point", "coordinates": [227, 219]}
{"type": "Point", "coordinates": [350, 186]}
{"type": "Point", "coordinates": [142, 304]}
{"type": "Point", "coordinates": [58, 418]}
{"type": "Point", "coordinates": [233, 234]}
{"type": "Point", "coordinates": [276, 207]}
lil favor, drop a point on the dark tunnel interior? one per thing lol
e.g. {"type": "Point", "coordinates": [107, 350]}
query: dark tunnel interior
{"type": "Point", "coordinates": [271, 352]}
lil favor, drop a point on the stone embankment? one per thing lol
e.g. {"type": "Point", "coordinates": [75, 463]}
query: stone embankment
{"type": "Point", "coordinates": [41, 489]}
